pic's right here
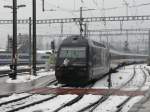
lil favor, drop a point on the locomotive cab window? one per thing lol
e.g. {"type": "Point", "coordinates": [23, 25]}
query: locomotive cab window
{"type": "Point", "coordinates": [74, 52]}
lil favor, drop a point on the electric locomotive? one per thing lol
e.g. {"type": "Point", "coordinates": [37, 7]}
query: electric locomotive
{"type": "Point", "coordinates": [80, 60]}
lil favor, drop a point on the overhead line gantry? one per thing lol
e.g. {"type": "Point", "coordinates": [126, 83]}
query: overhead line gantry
{"type": "Point", "coordinates": [87, 19]}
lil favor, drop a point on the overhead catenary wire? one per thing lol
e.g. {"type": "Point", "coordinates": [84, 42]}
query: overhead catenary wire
{"type": "Point", "coordinates": [71, 11]}
{"type": "Point", "coordinates": [140, 5]}
{"type": "Point", "coordinates": [58, 8]}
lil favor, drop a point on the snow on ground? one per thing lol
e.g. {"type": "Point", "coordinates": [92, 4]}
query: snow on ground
{"type": "Point", "coordinates": [57, 85]}
{"type": "Point", "coordinates": [12, 97]}
{"type": "Point", "coordinates": [26, 101]}
{"type": "Point", "coordinates": [50, 106]}
{"type": "Point", "coordinates": [86, 100]}
{"type": "Point", "coordinates": [129, 104]}
{"type": "Point", "coordinates": [123, 75]}
{"type": "Point", "coordinates": [147, 84]}
{"type": "Point", "coordinates": [6, 67]}
{"type": "Point", "coordinates": [117, 79]}
{"type": "Point", "coordinates": [110, 105]}
{"type": "Point", "coordinates": [27, 78]}
{"type": "Point", "coordinates": [147, 67]}
{"type": "Point", "coordinates": [137, 81]}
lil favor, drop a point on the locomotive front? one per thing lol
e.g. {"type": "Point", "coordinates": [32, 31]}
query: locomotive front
{"type": "Point", "coordinates": [72, 61]}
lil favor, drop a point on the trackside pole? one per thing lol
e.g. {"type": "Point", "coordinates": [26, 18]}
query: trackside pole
{"type": "Point", "coordinates": [30, 47]}
{"type": "Point", "coordinates": [34, 37]}
{"type": "Point", "coordinates": [109, 81]}
{"type": "Point", "coordinates": [148, 48]}
{"type": "Point", "coordinates": [14, 56]}
{"type": "Point", "coordinates": [81, 22]}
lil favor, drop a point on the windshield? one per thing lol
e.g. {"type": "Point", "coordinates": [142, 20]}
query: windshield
{"type": "Point", "coordinates": [74, 52]}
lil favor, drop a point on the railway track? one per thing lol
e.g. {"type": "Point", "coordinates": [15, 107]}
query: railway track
{"type": "Point", "coordinates": [24, 101]}
{"type": "Point", "coordinates": [94, 105]}
{"type": "Point", "coordinates": [33, 99]}
{"type": "Point", "coordinates": [19, 105]}
{"type": "Point", "coordinates": [120, 106]}
{"type": "Point", "coordinates": [76, 99]}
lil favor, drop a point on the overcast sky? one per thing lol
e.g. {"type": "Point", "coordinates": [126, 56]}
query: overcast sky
{"type": "Point", "coordinates": [64, 10]}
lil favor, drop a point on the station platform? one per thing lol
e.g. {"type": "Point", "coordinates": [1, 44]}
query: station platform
{"type": "Point", "coordinates": [143, 105]}
{"type": "Point", "coordinates": [10, 88]}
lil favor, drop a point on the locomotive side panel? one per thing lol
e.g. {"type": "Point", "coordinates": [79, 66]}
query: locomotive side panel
{"type": "Point", "coordinates": [100, 62]}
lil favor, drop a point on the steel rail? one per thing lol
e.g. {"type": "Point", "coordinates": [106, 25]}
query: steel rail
{"type": "Point", "coordinates": [120, 106]}
{"type": "Point", "coordinates": [94, 105]}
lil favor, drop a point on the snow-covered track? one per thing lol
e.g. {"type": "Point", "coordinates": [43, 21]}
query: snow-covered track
{"type": "Point", "coordinates": [53, 82]}
{"type": "Point", "coordinates": [24, 102]}
{"type": "Point", "coordinates": [120, 106]}
{"type": "Point", "coordinates": [14, 100]}
{"type": "Point", "coordinates": [94, 105]}
{"type": "Point", "coordinates": [76, 99]}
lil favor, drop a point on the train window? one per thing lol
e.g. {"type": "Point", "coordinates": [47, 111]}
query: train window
{"type": "Point", "coordinates": [97, 57]}
{"type": "Point", "coordinates": [74, 52]}
{"type": "Point", "coordinates": [23, 57]}
{"type": "Point", "coordinates": [99, 44]}
{"type": "Point", "coordinates": [5, 56]}
{"type": "Point", "coordinates": [45, 57]}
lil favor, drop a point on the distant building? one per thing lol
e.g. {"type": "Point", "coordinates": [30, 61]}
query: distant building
{"type": "Point", "coordinates": [9, 44]}
{"type": "Point", "coordinates": [22, 43]}
{"type": "Point", "coordinates": [43, 43]}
